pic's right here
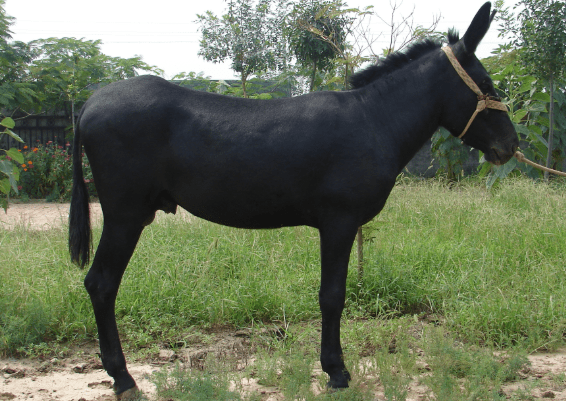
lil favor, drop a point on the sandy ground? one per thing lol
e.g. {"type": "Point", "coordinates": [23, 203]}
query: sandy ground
{"type": "Point", "coordinates": [81, 378]}
{"type": "Point", "coordinates": [41, 215]}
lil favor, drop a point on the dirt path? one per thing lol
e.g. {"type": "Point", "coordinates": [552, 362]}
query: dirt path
{"type": "Point", "coordinates": [41, 215]}
{"type": "Point", "coordinates": [45, 216]}
{"type": "Point", "coordinates": [81, 377]}
{"type": "Point", "coordinates": [65, 380]}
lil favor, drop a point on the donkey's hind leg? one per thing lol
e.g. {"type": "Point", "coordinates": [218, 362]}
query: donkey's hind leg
{"type": "Point", "coordinates": [116, 246]}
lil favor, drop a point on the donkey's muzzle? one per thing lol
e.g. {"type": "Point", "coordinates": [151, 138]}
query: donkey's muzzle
{"type": "Point", "coordinates": [499, 155]}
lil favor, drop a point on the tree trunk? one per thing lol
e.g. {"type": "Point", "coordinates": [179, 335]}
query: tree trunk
{"type": "Point", "coordinates": [73, 116]}
{"type": "Point", "coordinates": [313, 77]}
{"type": "Point", "coordinates": [244, 80]}
{"type": "Point", "coordinates": [551, 129]}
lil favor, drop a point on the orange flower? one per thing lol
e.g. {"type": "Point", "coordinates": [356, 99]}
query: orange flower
{"type": "Point", "coordinates": [25, 147]}
{"type": "Point", "coordinates": [35, 150]}
{"type": "Point", "coordinates": [24, 166]}
{"type": "Point", "coordinates": [29, 162]}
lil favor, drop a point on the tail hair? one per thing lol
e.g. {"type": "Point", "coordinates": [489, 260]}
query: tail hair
{"type": "Point", "coordinates": [80, 234]}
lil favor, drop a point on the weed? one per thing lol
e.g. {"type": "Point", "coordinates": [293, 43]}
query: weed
{"type": "Point", "coordinates": [463, 371]}
{"type": "Point", "coordinates": [183, 383]}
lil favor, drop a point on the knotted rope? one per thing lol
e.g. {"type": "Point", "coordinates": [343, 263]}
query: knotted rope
{"type": "Point", "coordinates": [484, 101]}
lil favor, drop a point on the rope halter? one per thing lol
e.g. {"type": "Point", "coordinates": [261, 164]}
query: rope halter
{"type": "Point", "coordinates": [484, 101]}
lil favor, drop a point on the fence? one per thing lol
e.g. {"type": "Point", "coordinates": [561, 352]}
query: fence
{"type": "Point", "coordinates": [39, 129]}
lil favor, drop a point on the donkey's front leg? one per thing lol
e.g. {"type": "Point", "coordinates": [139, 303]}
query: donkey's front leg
{"type": "Point", "coordinates": [336, 241]}
{"type": "Point", "coordinates": [116, 246]}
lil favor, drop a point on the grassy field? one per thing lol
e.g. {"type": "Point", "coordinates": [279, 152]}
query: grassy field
{"type": "Point", "coordinates": [488, 264]}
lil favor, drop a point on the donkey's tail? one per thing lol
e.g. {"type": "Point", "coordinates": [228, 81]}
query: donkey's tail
{"type": "Point", "coordinates": [80, 237]}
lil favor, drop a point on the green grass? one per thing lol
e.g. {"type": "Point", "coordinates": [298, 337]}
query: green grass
{"type": "Point", "coordinates": [490, 262]}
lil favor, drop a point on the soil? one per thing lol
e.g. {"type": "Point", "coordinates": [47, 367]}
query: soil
{"type": "Point", "coordinates": [41, 215]}
{"type": "Point", "coordinates": [79, 376]}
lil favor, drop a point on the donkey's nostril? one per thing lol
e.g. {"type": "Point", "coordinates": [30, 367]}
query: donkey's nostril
{"type": "Point", "coordinates": [496, 152]}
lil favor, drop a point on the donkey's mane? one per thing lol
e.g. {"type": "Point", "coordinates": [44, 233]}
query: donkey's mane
{"type": "Point", "coordinates": [399, 59]}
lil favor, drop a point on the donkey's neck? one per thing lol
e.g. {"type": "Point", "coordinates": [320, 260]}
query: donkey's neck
{"type": "Point", "coordinates": [408, 106]}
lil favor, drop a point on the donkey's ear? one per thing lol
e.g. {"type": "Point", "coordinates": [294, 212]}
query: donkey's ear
{"type": "Point", "coordinates": [478, 28]}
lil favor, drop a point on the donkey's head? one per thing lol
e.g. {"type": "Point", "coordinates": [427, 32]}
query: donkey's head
{"type": "Point", "coordinates": [472, 110]}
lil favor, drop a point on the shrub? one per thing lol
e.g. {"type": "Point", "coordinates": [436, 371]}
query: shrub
{"type": "Point", "coordinates": [47, 172]}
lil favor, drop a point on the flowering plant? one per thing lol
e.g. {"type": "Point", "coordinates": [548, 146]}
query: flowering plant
{"type": "Point", "coordinates": [48, 172]}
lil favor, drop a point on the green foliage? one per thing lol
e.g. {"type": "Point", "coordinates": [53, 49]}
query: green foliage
{"type": "Point", "coordinates": [66, 69]}
{"type": "Point", "coordinates": [528, 101]}
{"type": "Point", "coordinates": [23, 325]}
{"type": "Point", "coordinates": [9, 164]}
{"type": "Point", "coordinates": [14, 93]}
{"type": "Point", "coordinates": [466, 372]}
{"type": "Point", "coordinates": [338, 23]}
{"type": "Point", "coordinates": [450, 154]}
{"type": "Point", "coordinates": [256, 88]}
{"type": "Point", "coordinates": [47, 173]}
{"type": "Point", "coordinates": [249, 34]}
{"type": "Point", "coordinates": [538, 33]}
{"type": "Point", "coordinates": [15, 89]}
{"type": "Point", "coordinates": [48, 75]}
{"type": "Point", "coordinates": [183, 383]}
{"type": "Point", "coordinates": [542, 36]}
{"type": "Point", "coordinates": [309, 24]}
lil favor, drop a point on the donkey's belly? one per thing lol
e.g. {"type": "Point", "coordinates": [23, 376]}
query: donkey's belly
{"type": "Point", "coordinates": [249, 217]}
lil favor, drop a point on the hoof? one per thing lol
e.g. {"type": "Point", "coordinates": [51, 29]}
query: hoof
{"type": "Point", "coordinates": [131, 394]}
{"type": "Point", "coordinates": [339, 382]}
{"type": "Point", "coordinates": [333, 385]}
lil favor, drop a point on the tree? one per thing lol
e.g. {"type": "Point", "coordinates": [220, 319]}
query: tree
{"type": "Point", "coordinates": [250, 35]}
{"type": "Point", "coordinates": [360, 43]}
{"type": "Point", "coordinates": [539, 32]}
{"type": "Point", "coordinates": [349, 48]}
{"type": "Point", "coordinates": [307, 27]}
{"type": "Point", "coordinates": [68, 69]}
{"type": "Point", "coordinates": [9, 164]}
{"type": "Point", "coordinates": [403, 31]}
{"type": "Point", "coordinates": [543, 34]}
{"type": "Point", "coordinates": [15, 92]}
{"type": "Point", "coordinates": [15, 89]}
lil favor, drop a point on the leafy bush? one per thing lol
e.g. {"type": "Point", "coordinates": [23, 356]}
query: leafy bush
{"type": "Point", "coordinates": [450, 154]}
{"type": "Point", "coordinates": [9, 171]}
{"type": "Point", "coordinates": [47, 173]}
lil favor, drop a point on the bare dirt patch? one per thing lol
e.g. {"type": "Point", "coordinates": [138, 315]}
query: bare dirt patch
{"type": "Point", "coordinates": [41, 215]}
{"type": "Point", "coordinates": [544, 378]}
{"type": "Point", "coordinates": [70, 379]}
{"type": "Point", "coordinates": [80, 377]}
